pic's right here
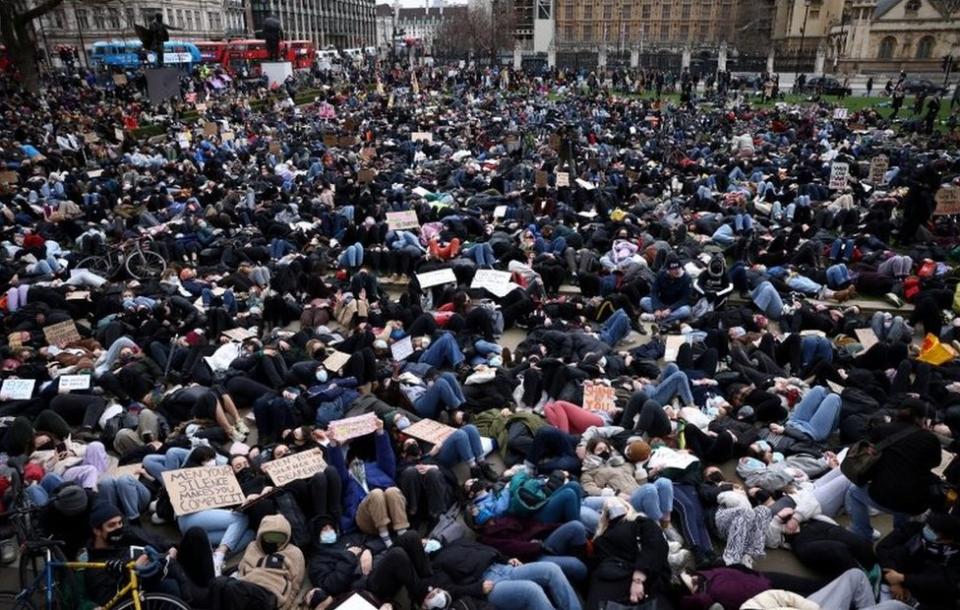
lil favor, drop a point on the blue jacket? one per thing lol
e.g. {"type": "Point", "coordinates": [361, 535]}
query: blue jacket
{"type": "Point", "coordinates": [380, 475]}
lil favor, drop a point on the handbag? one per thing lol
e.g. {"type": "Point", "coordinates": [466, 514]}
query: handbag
{"type": "Point", "coordinates": [863, 456]}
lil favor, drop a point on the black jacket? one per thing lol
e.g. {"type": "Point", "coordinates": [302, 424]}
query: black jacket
{"type": "Point", "coordinates": [459, 567]}
{"type": "Point", "coordinates": [902, 478]}
{"type": "Point", "coordinates": [932, 571]}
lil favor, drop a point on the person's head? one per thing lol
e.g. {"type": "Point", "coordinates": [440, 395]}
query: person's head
{"type": "Point", "coordinates": [614, 510]}
{"type": "Point", "coordinates": [326, 529]}
{"type": "Point", "coordinates": [437, 599]}
{"type": "Point", "coordinates": [637, 451]}
{"type": "Point", "coordinates": [411, 449]}
{"type": "Point", "coordinates": [239, 463]}
{"type": "Point", "coordinates": [106, 522]}
{"type": "Point", "coordinates": [913, 410]}
{"type": "Point", "coordinates": [599, 447]}
{"type": "Point", "coordinates": [673, 266]}
{"type": "Point", "coordinates": [201, 456]}
{"type": "Point", "coordinates": [713, 474]}
{"type": "Point", "coordinates": [420, 342]}
{"type": "Point", "coordinates": [942, 528]}
{"type": "Point", "coordinates": [475, 489]}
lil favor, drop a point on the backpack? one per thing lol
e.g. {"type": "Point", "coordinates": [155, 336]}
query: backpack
{"type": "Point", "coordinates": [450, 526]}
{"type": "Point", "coordinates": [863, 457]}
{"type": "Point", "coordinates": [911, 288]}
{"type": "Point", "coordinates": [527, 495]}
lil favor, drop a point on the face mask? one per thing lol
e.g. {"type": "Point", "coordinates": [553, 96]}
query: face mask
{"type": "Point", "coordinates": [929, 535]}
{"type": "Point", "coordinates": [116, 536]}
{"type": "Point", "coordinates": [604, 455]}
{"type": "Point", "coordinates": [269, 547]}
{"type": "Point", "coordinates": [328, 537]}
{"type": "Point", "coordinates": [753, 464]}
{"type": "Point", "coordinates": [432, 546]}
{"type": "Point", "coordinates": [438, 601]}
{"type": "Point", "coordinates": [321, 375]}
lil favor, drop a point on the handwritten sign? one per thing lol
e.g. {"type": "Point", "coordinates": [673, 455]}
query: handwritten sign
{"type": "Point", "coordinates": [500, 211]}
{"type": "Point", "coordinates": [422, 136]}
{"type": "Point", "coordinates": [239, 334]}
{"type": "Point", "coordinates": [598, 397]}
{"type": "Point", "coordinates": [192, 490]}
{"type": "Point", "coordinates": [17, 389]}
{"type": "Point", "coordinates": [672, 350]}
{"type": "Point", "coordinates": [430, 431]}
{"type": "Point", "coordinates": [436, 278]}
{"type": "Point", "coordinates": [540, 179]}
{"type": "Point", "coordinates": [878, 169]}
{"type": "Point", "coordinates": [227, 136]}
{"type": "Point", "coordinates": [91, 138]}
{"type": "Point", "coordinates": [366, 176]}
{"type": "Point", "coordinates": [555, 142]}
{"type": "Point", "coordinates": [839, 173]}
{"type": "Point", "coordinates": [301, 465]}
{"type": "Point", "coordinates": [866, 337]}
{"type": "Point", "coordinates": [336, 361]}
{"type": "Point", "coordinates": [840, 114]}
{"type": "Point", "coordinates": [78, 295]}
{"type": "Point", "coordinates": [210, 129]}
{"type": "Point", "coordinates": [74, 382]}
{"type": "Point", "coordinates": [354, 427]}
{"type": "Point", "coordinates": [402, 349]}
{"type": "Point", "coordinates": [119, 79]}
{"type": "Point", "coordinates": [61, 333]}
{"type": "Point", "coordinates": [330, 140]}
{"type": "Point", "coordinates": [948, 201]}
{"type": "Point", "coordinates": [403, 220]}
{"type": "Point", "coordinates": [497, 282]}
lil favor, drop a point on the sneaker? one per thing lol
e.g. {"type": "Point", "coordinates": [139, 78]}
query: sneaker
{"type": "Point", "coordinates": [488, 472]}
{"type": "Point", "coordinates": [157, 519]}
{"type": "Point", "coordinates": [8, 551]}
{"type": "Point", "coordinates": [152, 507]}
{"type": "Point", "coordinates": [672, 535]}
{"type": "Point", "coordinates": [242, 426]}
{"type": "Point", "coordinates": [218, 561]}
{"type": "Point", "coordinates": [648, 317]}
{"type": "Point", "coordinates": [680, 560]}
{"type": "Point", "coordinates": [237, 436]}
{"type": "Point", "coordinates": [893, 299]}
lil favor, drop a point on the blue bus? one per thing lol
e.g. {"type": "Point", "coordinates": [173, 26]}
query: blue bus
{"type": "Point", "coordinates": [126, 54]}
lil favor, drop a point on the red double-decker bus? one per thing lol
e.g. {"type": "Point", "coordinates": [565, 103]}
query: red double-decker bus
{"type": "Point", "coordinates": [250, 53]}
{"type": "Point", "coordinates": [212, 52]}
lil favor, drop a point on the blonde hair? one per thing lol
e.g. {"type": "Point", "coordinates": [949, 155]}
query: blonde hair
{"type": "Point", "coordinates": [605, 514]}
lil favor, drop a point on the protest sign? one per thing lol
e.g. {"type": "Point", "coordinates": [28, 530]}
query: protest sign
{"type": "Point", "coordinates": [336, 361]}
{"type": "Point", "coordinates": [403, 220]}
{"type": "Point", "coordinates": [301, 465]}
{"type": "Point", "coordinates": [9, 177]}
{"type": "Point", "coordinates": [598, 397]}
{"type": "Point", "coordinates": [402, 349]}
{"type": "Point", "coordinates": [227, 136]}
{"type": "Point", "coordinates": [118, 134]}
{"type": "Point", "coordinates": [878, 168]}
{"type": "Point", "coordinates": [673, 343]}
{"type": "Point", "coordinates": [563, 179]}
{"type": "Point", "coordinates": [497, 282]}
{"type": "Point", "coordinates": [15, 341]}
{"type": "Point", "coordinates": [866, 337]}
{"type": "Point", "coordinates": [555, 142]}
{"type": "Point", "coordinates": [239, 334]}
{"type": "Point", "coordinates": [840, 114]}
{"type": "Point", "coordinates": [500, 211]}
{"type": "Point", "coordinates": [192, 490]}
{"type": "Point", "coordinates": [422, 136]}
{"type": "Point", "coordinates": [540, 178]}
{"type": "Point", "coordinates": [95, 173]}
{"type": "Point", "coordinates": [74, 382]}
{"type": "Point", "coordinates": [61, 333]}
{"type": "Point", "coordinates": [948, 201]}
{"type": "Point", "coordinates": [119, 79]}
{"type": "Point", "coordinates": [17, 389]}
{"type": "Point", "coordinates": [436, 278]}
{"type": "Point", "coordinates": [210, 129]}
{"type": "Point", "coordinates": [330, 140]}
{"type": "Point", "coordinates": [353, 427]}
{"type": "Point", "coordinates": [587, 186]}
{"type": "Point", "coordinates": [429, 431]}
{"type": "Point", "coordinates": [366, 176]}
{"type": "Point", "coordinates": [839, 173]}
{"type": "Point", "coordinates": [274, 148]}
{"type": "Point", "coordinates": [369, 153]}
{"type": "Point", "coordinates": [91, 138]}
{"type": "Point", "coordinates": [78, 295]}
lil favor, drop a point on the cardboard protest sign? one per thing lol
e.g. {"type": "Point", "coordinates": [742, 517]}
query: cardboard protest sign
{"type": "Point", "coordinates": [587, 186]}
{"type": "Point", "coordinates": [330, 140]}
{"type": "Point", "coordinates": [356, 602]}
{"type": "Point", "coordinates": [948, 201]}
{"type": "Point", "coordinates": [301, 465]}
{"type": "Point", "coordinates": [540, 179]}
{"type": "Point", "coordinates": [9, 177]}
{"type": "Point", "coordinates": [17, 389]}
{"type": "Point", "coordinates": [840, 114]}
{"type": "Point", "coordinates": [555, 142]}
{"type": "Point", "coordinates": [402, 349]}
{"type": "Point", "coordinates": [78, 295]}
{"type": "Point", "coordinates": [239, 334]}
{"type": "Point", "coordinates": [336, 361]}
{"type": "Point", "coordinates": [673, 343]}
{"type": "Point", "coordinates": [95, 173]}
{"type": "Point", "coordinates": [839, 173]}
{"type": "Point", "coordinates": [118, 134]}
{"type": "Point", "coordinates": [74, 382]}
{"type": "Point", "coordinates": [227, 136]}
{"type": "Point", "coordinates": [430, 431]}
{"type": "Point", "coordinates": [353, 427]}
{"type": "Point", "coordinates": [598, 397]}
{"type": "Point", "coordinates": [61, 333]}
{"type": "Point", "coordinates": [15, 340]}
{"type": "Point", "coordinates": [91, 138]}
{"type": "Point", "coordinates": [422, 136]}
{"type": "Point", "coordinates": [878, 168]}
{"type": "Point", "coordinates": [210, 129]}
{"type": "Point", "coordinates": [403, 220]}
{"type": "Point", "coordinates": [119, 79]}
{"type": "Point", "coordinates": [366, 176]}
{"type": "Point", "coordinates": [192, 490]}
{"type": "Point", "coordinates": [497, 282]}
{"type": "Point", "coordinates": [866, 337]}
{"type": "Point", "coordinates": [369, 153]}
{"type": "Point", "coordinates": [436, 278]}
{"type": "Point", "coordinates": [563, 179]}
{"type": "Point", "coordinates": [500, 211]}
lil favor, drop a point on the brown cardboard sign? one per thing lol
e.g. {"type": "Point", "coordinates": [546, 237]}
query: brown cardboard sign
{"type": "Point", "coordinates": [301, 465]}
{"type": "Point", "coordinates": [61, 333]}
{"type": "Point", "coordinates": [354, 427]}
{"type": "Point", "coordinates": [430, 431]}
{"type": "Point", "coordinates": [192, 490]}
{"type": "Point", "coordinates": [597, 397]}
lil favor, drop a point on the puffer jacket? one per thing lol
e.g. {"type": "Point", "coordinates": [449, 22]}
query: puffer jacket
{"type": "Point", "coordinates": [280, 572]}
{"type": "Point", "coordinates": [777, 599]}
{"type": "Point", "coordinates": [617, 474]}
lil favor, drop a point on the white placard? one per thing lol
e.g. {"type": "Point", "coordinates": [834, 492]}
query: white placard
{"type": "Point", "coordinates": [17, 389]}
{"type": "Point", "coordinates": [497, 282]}
{"type": "Point", "coordinates": [436, 278]}
{"type": "Point", "coordinates": [587, 186]}
{"type": "Point", "coordinates": [840, 114]}
{"type": "Point", "coordinates": [839, 172]}
{"type": "Point", "coordinates": [406, 219]}
{"type": "Point", "coordinates": [422, 136]}
{"type": "Point", "coordinates": [74, 382]}
{"type": "Point", "coordinates": [402, 349]}
{"type": "Point", "coordinates": [563, 179]}
{"type": "Point", "coordinates": [500, 211]}
{"type": "Point", "coordinates": [672, 348]}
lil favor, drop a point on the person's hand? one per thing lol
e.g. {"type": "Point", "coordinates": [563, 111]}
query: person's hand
{"type": "Point", "coordinates": [366, 562]}
{"type": "Point", "coordinates": [172, 553]}
{"type": "Point", "coordinates": [332, 437]}
{"type": "Point", "coordinates": [436, 449]}
{"type": "Point", "coordinates": [776, 428]}
{"type": "Point", "coordinates": [355, 550]}
{"type": "Point", "coordinates": [378, 423]}
{"type": "Point", "coordinates": [899, 593]}
{"type": "Point", "coordinates": [893, 577]}
{"type": "Point", "coordinates": [142, 561]}
{"type": "Point", "coordinates": [425, 468]}
{"type": "Point", "coordinates": [514, 562]}
{"type": "Point", "coordinates": [488, 587]}
{"type": "Point", "coordinates": [637, 589]}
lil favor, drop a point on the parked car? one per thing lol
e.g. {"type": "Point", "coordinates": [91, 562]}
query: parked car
{"type": "Point", "coordinates": [831, 86]}
{"type": "Point", "coordinates": [914, 86]}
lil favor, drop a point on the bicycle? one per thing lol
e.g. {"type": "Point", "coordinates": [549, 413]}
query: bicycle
{"type": "Point", "coordinates": [129, 596]}
{"type": "Point", "coordinates": [134, 255]}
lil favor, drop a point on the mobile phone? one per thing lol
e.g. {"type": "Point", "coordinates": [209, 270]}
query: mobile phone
{"type": "Point", "coordinates": [137, 551]}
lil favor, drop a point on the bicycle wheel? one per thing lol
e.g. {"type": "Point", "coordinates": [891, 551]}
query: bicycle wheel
{"type": "Point", "coordinates": [145, 263]}
{"type": "Point", "coordinates": [155, 601]}
{"type": "Point", "coordinates": [101, 265]}
{"type": "Point", "coordinates": [9, 601]}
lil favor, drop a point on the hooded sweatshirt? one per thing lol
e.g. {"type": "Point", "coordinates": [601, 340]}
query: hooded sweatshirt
{"type": "Point", "coordinates": [281, 571]}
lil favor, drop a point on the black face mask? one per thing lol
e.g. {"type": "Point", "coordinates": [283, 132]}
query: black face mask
{"type": "Point", "coordinates": [413, 452]}
{"type": "Point", "coordinates": [761, 496]}
{"type": "Point", "coordinates": [715, 477]}
{"type": "Point", "coordinates": [604, 455]}
{"type": "Point", "coordinates": [116, 536]}
{"type": "Point", "coordinates": [269, 547]}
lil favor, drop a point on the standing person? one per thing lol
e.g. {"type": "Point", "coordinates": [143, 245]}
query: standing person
{"type": "Point", "coordinates": [897, 103]}
{"type": "Point", "coordinates": [869, 87]}
{"type": "Point", "coordinates": [933, 110]}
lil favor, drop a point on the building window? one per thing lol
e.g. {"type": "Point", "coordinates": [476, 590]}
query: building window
{"type": "Point", "coordinates": [664, 32]}
{"type": "Point", "coordinates": [685, 11]}
{"type": "Point", "coordinates": [608, 11]}
{"type": "Point", "coordinates": [925, 48]}
{"type": "Point", "coordinates": [888, 47]}
{"type": "Point", "coordinates": [665, 11]}
{"type": "Point", "coordinates": [179, 17]}
{"type": "Point", "coordinates": [684, 32]}
{"type": "Point", "coordinates": [190, 20]}
{"type": "Point", "coordinates": [588, 11]}
{"type": "Point", "coordinates": [130, 16]}
{"type": "Point", "coordinates": [60, 18]}
{"type": "Point", "coordinates": [543, 9]}
{"type": "Point", "coordinates": [588, 32]}
{"type": "Point", "coordinates": [83, 20]}
{"type": "Point", "coordinates": [114, 17]}
{"type": "Point", "coordinates": [645, 11]}
{"type": "Point", "coordinates": [912, 7]}
{"type": "Point", "coordinates": [99, 21]}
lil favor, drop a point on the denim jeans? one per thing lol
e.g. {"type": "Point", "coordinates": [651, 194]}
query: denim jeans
{"type": "Point", "coordinates": [562, 506]}
{"type": "Point", "coordinates": [223, 527]}
{"type": "Point", "coordinates": [615, 328]}
{"type": "Point", "coordinates": [858, 504]}
{"type": "Point", "coordinates": [126, 493]}
{"type": "Point", "coordinates": [280, 248]}
{"type": "Point", "coordinates": [680, 313]}
{"type": "Point", "coordinates": [655, 500]}
{"type": "Point", "coordinates": [841, 248]}
{"type": "Point", "coordinates": [781, 213]}
{"type": "Point", "coordinates": [445, 392]}
{"type": "Point", "coordinates": [530, 587]}
{"type": "Point", "coordinates": [562, 544]}
{"type": "Point", "coordinates": [742, 222]}
{"type": "Point", "coordinates": [815, 349]}
{"type": "Point", "coordinates": [838, 276]}
{"type": "Point", "coordinates": [482, 254]}
{"type": "Point", "coordinates": [555, 246]}
{"type": "Point", "coordinates": [768, 300]}
{"type": "Point", "coordinates": [461, 446]}
{"type": "Point", "coordinates": [486, 348]}
{"type": "Point", "coordinates": [157, 463]}
{"type": "Point", "coordinates": [674, 382]}
{"type": "Point", "coordinates": [40, 493]}
{"type": "Point", "coordinates": [817, 414]}
{"type": "Point", "coordinates": [228, 298]}
{"type": "Point", "coordinates": [802, 283]}
{"type": "Point", "coordinates": [444, 350]}
{"type": "Point", "coordinates": [723, 235]}
{"type": "Point", "coordinates": [895, 332]}
{"type": "Point", "coordinates": [351, 257]}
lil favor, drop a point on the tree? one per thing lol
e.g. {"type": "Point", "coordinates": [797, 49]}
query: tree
{"type": "Point", "coordinates": [481, 27]}
{"type": "Point", "coordinates": [18, 35]}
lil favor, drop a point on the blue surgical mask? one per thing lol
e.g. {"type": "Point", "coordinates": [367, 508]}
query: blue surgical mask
{"type": "Point", "coordinates": [328, 537]}
{"type": "Point", "coordinates": [753, 464]}
{"type": "Point", "coordinates": [431, 546]}
{"type": "Point", "coordinates": [929, 535]}
{"type": "Point", "coordinates": [321, 375]}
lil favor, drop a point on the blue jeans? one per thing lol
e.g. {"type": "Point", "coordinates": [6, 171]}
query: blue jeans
{"type": "Point", "coordinates": [482, 254]}
{"type": "Point", "coordinates": [742, 222]}
{"type": "Point", "coordinates": [564, 542]}
{"type": "Point", "coordinates": [555, 246]}
{"type": "Point", "coordinates": [223, 527]}
{"type": "Point", "coordinates": [40, 493]}
{"type": "Point", "coordinates": [841, 248]}
{"type": "Point", "coordinates": [723, 235]}
{"type": "Point", "coordinates": [817, 414]}
{"type": "Point", "coordinates": [461, 446]}
{"type": "Point", "coordinates": [858, 503]}
{"type": "Point", "coordinates": [655, 500]}
{"type": "Point", "coordinates": [680, 313]}
{"type": "Point", "coordinates": [280, 248]}
{"type": "Point", "coordinates": [802, 283]}
{"type": "Point", "coordinates": [352, 256]}
{"type": "Point", "coordinates": [815, 349]}
{"type": "Point", "coordinates": [445, 392]}
{"type": "Point", "coordinates": [126, 493]}
{"type": "Point", "coordinates": [768, 300]}
{"type": "Point", "coordinates": [229, 299]}
{"type": "Point", "coordinates": [838, 276]}
{"type": "Point", "coordinates": [562, 506]}
{"type": "Point", "coordinates": [442, 351]}
{"type": "Point", "coordinates": [615, 328]}
{"type": "Point", "coordinates": [486, 348]}
{"type": "Point", "coordinates": [530, 587]}
{"type": "Point", "coordinates": [673, 382]}
{"type": "Point", "coordinates": [158, 463]}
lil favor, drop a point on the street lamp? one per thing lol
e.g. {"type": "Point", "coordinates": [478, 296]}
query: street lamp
{"type": "Point", "coordinates": [803, 34]}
